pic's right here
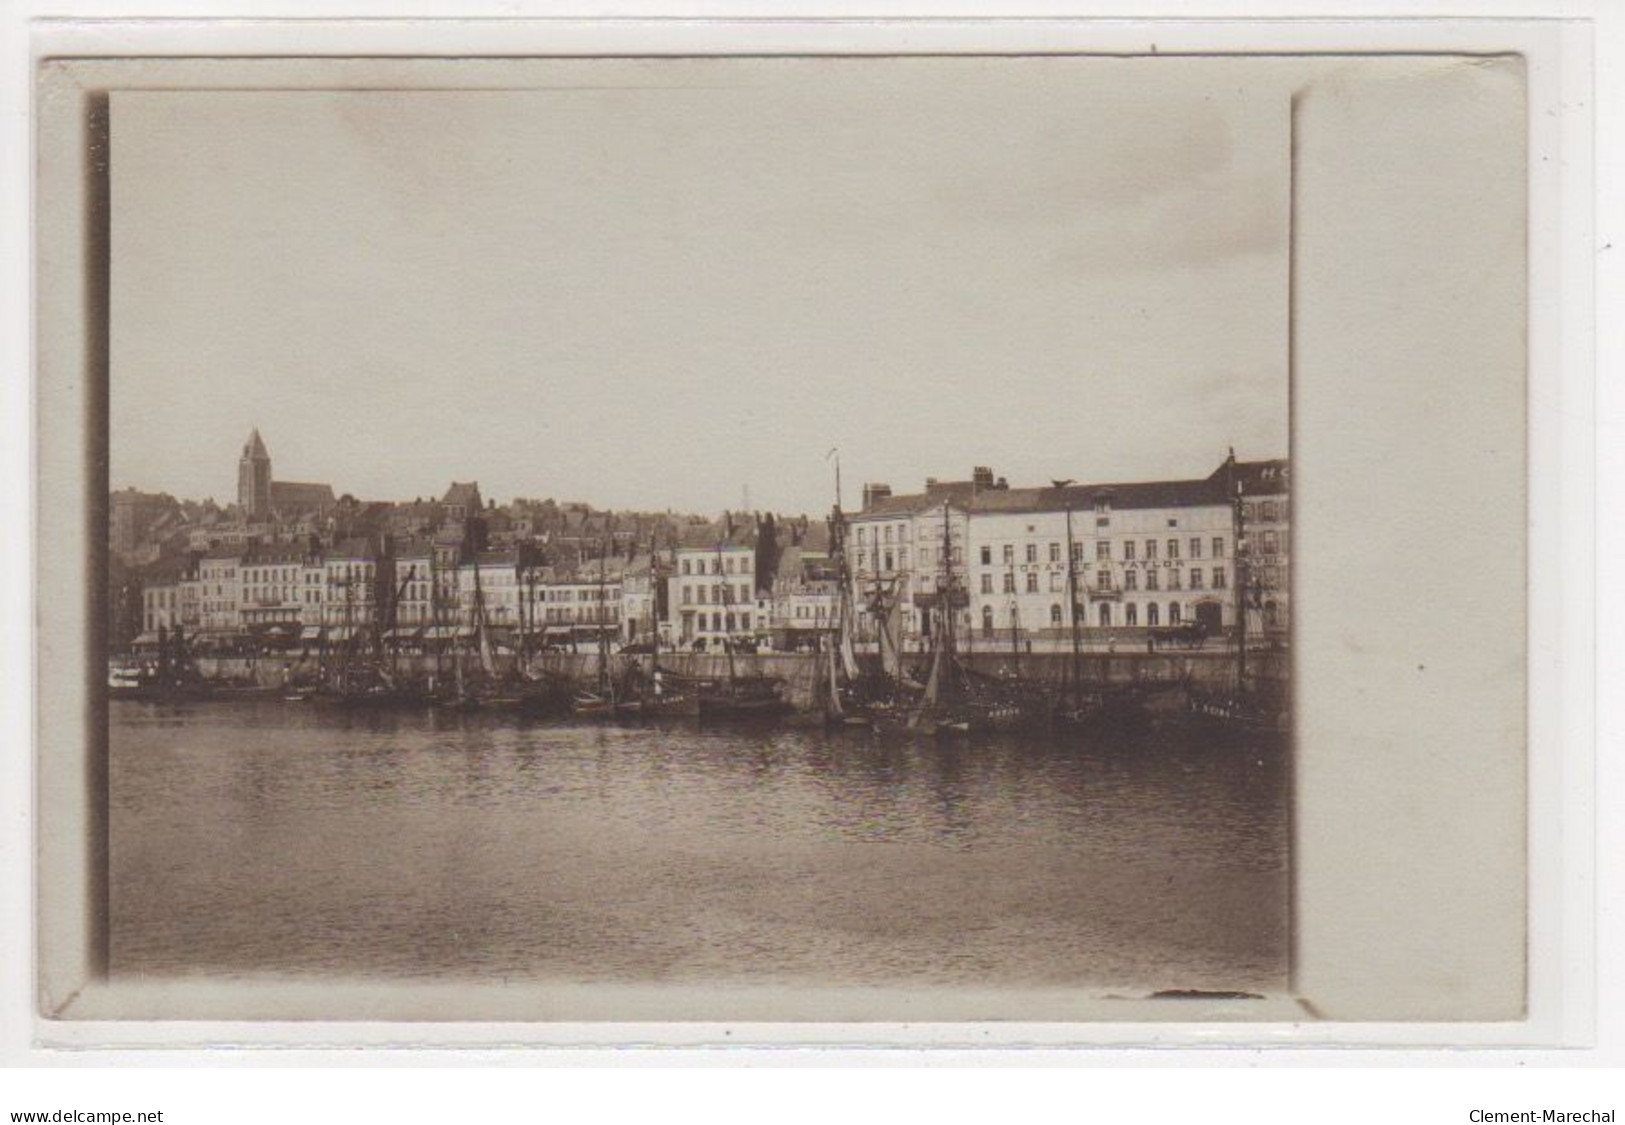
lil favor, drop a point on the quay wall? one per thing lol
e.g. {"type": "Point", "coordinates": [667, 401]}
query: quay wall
{"type": "Point", "coordinates": [1215, 668]}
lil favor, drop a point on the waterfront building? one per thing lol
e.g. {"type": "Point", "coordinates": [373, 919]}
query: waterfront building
{"type": "Point", "coordinates": [574, 610]}
{"type": "Point", "coordinates": [221, 590]}
{"type": "Point", "coordinates": [639, 606]}
{"type": "Point", "coordinates": [712, 593]}
{"type": "Point", "coordinates": [804, 598]}
{"type": "Point", "coordinates": [413, 599]}
{"type": "Point", "coordinates": [1145, 553]}
{"type": "Point", "coordinates": [355, 578]}
{"type": "Point", "coordinates": [189, 591]}
{"type": "Point", "coordinates": [491, 578]}
{"type": "Point", "coordinates": [160, 608]}
{"type": "Point", "coordinates": [271, 579]}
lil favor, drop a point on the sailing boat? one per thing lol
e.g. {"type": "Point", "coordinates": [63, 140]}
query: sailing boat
{"type": "Point", "coordinates": [1245, 711]}
{"type": "Point", "coordinates": [944, 709]}
{"type": "Point", "coordinates": [601, 700]}
{"type": "Point", "coordinates": [659, 695]}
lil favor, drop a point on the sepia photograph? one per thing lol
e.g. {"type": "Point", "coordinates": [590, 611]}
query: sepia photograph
{"type": "Point", "coordinates": [787, 538]}
{"type": "Point", "coordinates": [726, 521]}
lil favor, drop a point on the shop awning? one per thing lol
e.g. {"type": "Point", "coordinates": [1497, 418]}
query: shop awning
{"type": "Point", "coordinates": [310, 633]}
{"type": "Point", "coordinates": [439, 632]}
{"type": "Point", "coordinates": [146, 639]}
{"type": "Point", "coordinates": [340, 633]}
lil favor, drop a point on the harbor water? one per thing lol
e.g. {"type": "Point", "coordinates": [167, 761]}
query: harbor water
{"type": "Point", "coordinates": [274, 838]}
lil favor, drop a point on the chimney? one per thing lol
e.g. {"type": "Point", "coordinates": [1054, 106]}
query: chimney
{"type": "Point", "coordinates": [874, 493]}
{"type": "Point", "coordinates": [930, 483]}
{"type": "Point", "coordinates": [1003, 485]}
{"type": "Point", "coordinates": [982, 476]}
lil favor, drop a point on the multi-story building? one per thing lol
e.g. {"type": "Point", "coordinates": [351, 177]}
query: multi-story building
{"type": "Point", "coordinates": [712, 593]}
{"type": "Point", "coordinates": [640, 608]}
{"type": "Point", "coordinates": [356, 584]}
{"type": "Point", "coordinates": [220, 590]}
{"type": "Point", "coordinates": [134, 514]}
{"type": "Point", "coordinates": [272, 589]}
{"type": "Point", "coordinates": [580, 608]}
{"type": "Point", "coordinates": [414, 597]}
{"type": "Point", "coordinates": [160, 608]}
{"type": "Point", "coordinates": [1143, 553]}
{"type": "Point", "coordinates": [189, 592]}
{"type": "Point", "coordinates": [491, 579]}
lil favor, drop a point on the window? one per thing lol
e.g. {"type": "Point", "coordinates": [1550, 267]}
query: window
{"type": "Point", "coordinates": [1173, 548]}
{"type": "Point", "coordinates": [1054, 552]}
{"type": "Point", "coordinates": [1077, 552]}
{"type": "Point", "coordinates": [1150, 549]}
{"type": "Point", "coordinates": [1218, 547]}
{"type": "Point", "coordinates": [1032, 583]}
{"type": "Point", "coordinates": [1128, 550]}
{"type": "Point", "coordinates": [1009, 553]}
{"type": "Point", "coordinates": [1173, 613]}
{"type": "Point", "coordinates": [1268, 511]}
{"type": "Point", "coordinates": [1196, 547]}
{"type": "Point", "coordinates": [987, 555]}
{"type": "Point", "coordinates": [1131, 614]}
{"type": "Point", "coordinates": [1057, 582]}
{"type": "Point", "coordinates": [1131, 580]}
{"type": "Point", "coordinates": [888, 535]}
{"type": "Point", "coordinates": [1173, 579]}
{"type": "Point", "coordinates": [863, 536]}
{"type": "Point", "coordinates": [1151, 579]}
{"type": "Point", "coordinates": [744, 591]}
{"type": "Point", "coordinates": [1104, 615]}
{"type": "Point", "coordinates": [701, 589]}
{"type": "Point", "coordinates": [888, 565]}
{"type": "Point", "coordinates": [1196, 578]}
{"type": "Point", "coordinates": [1270, 543]}
{"type": "Point", "coordinates": [1032, 552]}
{"type": "Point", "coordinates": [1009, 583]}
{"type": "Point", "coordinates": [1103, 550]}
{"type": "Point", "coordinates": [1151, 613]}
{"type": "Point", "coordinates": [1055, 615]}
{"type": "Point", "coordinates": [987, 620]}
{"type": "Point", "coordinates": [1103, 580]}
{"type": "Point", "coordinates": [987, 582]}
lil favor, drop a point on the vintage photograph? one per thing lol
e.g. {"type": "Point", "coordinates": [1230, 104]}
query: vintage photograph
{"type": "Point", "coordinates": [708, 522]}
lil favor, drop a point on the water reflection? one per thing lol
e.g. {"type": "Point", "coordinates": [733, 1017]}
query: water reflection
{"type": "Point", "coordinates": [278, 838]}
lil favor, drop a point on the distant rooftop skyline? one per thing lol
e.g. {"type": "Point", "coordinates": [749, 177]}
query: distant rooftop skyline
{"type": "Point", "coordinates": [658, 283]}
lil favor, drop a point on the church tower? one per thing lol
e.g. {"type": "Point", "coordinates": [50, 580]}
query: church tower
{"type": "Point", "coordinates": [254, 479]}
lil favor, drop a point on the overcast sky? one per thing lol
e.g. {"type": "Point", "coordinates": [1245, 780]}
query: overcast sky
{"type": "Point", "coordinates": [652, 284]}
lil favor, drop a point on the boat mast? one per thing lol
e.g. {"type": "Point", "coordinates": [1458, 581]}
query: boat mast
{"type": "Point", "coordinates": [1015, 619]}
{"type": "Point", "coordinates": [1242, 579]}
{"type": "Point", "coordinates": [727, 600]}
{"type": "Point", "coordinates": [1071, 591]}
{"type": "Point", "coordinates": [947, 623]}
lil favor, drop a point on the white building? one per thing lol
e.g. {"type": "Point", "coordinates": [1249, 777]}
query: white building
{"type": "Point", "coordinates": [221, 590]}
{"type": "Point", "coordinates": [1145, 553]}
{"type": "Point", "coordinates": [712, 594]}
